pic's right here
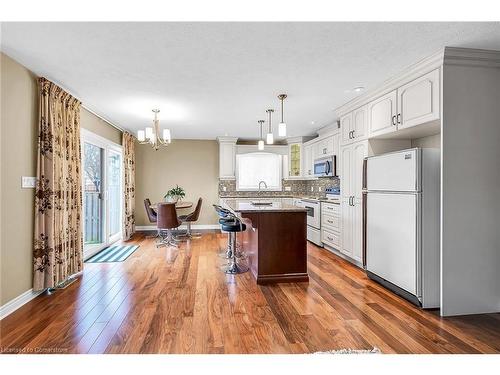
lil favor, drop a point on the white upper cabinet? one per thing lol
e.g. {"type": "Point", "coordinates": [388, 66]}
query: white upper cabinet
{"type": "Point", "coordinates": [354, 126]}
{"type": "Point", "coordinates": [418, 101]}
{"type": "Point", "coordinates": [382, 114]}
{"type": "Point", "coordinates": [308, 161]}
{"type": "Point", "coordinates": [227, 157]}
{"type": "Point", "coordinates": [360, 120]}
{"type": "Point", "coordinates": [346, 128]}
{"type": "Point", "coordinates": [325, 147]}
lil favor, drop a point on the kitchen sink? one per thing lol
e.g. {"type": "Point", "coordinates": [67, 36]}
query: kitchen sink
{"type": "Point", "coordinates": [261, 203]}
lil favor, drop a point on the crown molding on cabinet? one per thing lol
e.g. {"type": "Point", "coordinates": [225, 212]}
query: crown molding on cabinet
{"type": "Point", "coordinates": [227, 139]}
{"type": "Point", "coordinates": [410, 73]}
{"type": "Point", "coordinates": [446, 56]}
{"type": "Point", "coordinates": [471, 57]}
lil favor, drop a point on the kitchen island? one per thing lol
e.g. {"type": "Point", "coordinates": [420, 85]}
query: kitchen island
{"type": "Point", "coordinates": [274, 241]}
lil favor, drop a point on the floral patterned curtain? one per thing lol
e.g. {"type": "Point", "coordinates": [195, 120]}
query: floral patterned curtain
{"type": "Point", "coordinates": [58, 243]}
{"type": "Point", "coordinates": [129, 185]}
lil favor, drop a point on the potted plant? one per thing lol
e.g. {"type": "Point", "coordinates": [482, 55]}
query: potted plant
{"type": "Point", "coordinates": [175, 194]}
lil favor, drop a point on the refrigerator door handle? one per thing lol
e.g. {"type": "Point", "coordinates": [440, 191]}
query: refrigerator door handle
{"type": "Point", "coordinates": [365, 165]}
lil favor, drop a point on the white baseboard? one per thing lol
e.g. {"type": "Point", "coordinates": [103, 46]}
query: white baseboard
{"type": "Point", "coordinates": [141, 228]}
{"type": "Point", "coordinates": [17, 302]}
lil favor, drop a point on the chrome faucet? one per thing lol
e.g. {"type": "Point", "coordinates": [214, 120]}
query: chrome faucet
{"type": "Point", "coordinates": [262, 182]}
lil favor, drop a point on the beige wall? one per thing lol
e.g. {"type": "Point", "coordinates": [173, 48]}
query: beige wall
{"type": "Point", "coordinates": [100, 127]}
{"type": "Point", "coordinates": [192, 164]}
{"type": "Point", "coordinates": [19, 114]}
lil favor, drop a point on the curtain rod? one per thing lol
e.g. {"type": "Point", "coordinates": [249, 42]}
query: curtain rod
{"type": "Point", "coordinates": [104, 119]}
{"type": "Point", "coordinates": [84, 106]}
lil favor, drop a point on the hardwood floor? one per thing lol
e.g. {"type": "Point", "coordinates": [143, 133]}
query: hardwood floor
{"type": "Point", "coordinates": [177, 301]}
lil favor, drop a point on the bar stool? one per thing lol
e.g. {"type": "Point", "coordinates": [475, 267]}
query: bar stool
{"type": "Point", "coordinates": [225, 216]}
{"type": "Point", "coordinates": [233, 227]}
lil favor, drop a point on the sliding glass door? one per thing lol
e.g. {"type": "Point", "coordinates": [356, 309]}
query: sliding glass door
{"type": "Point", "coordinates": [115, 195]}
{"type": "Point", "coordinates": [102, 192]}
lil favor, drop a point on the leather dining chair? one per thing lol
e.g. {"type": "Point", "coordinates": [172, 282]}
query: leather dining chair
{"type": "Point", "coordinates": [188, 219]}
{"type": "Point", "coordinates": [167, 220]}
{"type": "Point", "coordinates": [152, 216]}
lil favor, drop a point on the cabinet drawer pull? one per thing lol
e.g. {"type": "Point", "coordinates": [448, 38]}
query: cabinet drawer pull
{"type": "Point", "coordinates": [353, 134]}
{"type": "Point", "coordinates": [394, 120]}
{"type": "Point", "coordinates": [399, 118]}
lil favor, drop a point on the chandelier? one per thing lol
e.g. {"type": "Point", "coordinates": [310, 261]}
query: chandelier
{"type": "Point", "coordinates": [151, 135]}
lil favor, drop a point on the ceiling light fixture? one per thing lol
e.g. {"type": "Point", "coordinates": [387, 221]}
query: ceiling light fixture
{"type": "Point", "coordinates": [269, 137]}
{"type": "Point", "coordinates": [358, 89]}
{"type": "Point", "coordinates": [151, 135]}
{"type": "Point", "coordinates": [260, 144]}
{"type": "Point", "coordinates": [282, 124]}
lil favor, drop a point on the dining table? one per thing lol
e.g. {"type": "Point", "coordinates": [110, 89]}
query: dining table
{"type": "Point", "coordinates": [179, 205]}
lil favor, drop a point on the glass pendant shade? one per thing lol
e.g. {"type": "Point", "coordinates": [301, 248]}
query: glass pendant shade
{"type": "Point", "coordinates": [282, 129]}
{"type": "Point", "coordinates": [141, 137]}
{"type": "Point", "coordinates": [269, 138]}
{"type": "Point", "coordinates": [149, 133]}
{"type": "Point", "coordinates": [260, 145]}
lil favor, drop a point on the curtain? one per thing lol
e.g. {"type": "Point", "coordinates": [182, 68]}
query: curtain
{"type": "Point", "coordinates": [58, 243]}
{"type": "Point", "coordinates": [129, 185]}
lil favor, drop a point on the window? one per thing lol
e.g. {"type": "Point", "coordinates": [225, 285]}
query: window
{"type": "Point", "coordinates": [255, 167]}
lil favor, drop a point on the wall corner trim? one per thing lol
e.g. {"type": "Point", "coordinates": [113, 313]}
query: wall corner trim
{"type": "Point", "coordinates": [17, 302]}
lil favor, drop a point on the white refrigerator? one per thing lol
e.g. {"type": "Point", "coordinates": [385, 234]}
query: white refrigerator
{"type": "Point", "coordinates": [401, 223]}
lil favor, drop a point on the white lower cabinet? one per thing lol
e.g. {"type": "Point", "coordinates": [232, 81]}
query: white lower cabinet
{"type": "Point", "coordinates": [330, 225]}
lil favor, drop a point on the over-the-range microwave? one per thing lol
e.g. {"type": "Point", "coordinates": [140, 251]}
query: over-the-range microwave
{"type": "Point", "coordinates": [326, 166]}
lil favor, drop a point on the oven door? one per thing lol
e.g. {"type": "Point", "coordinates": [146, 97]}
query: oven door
{"type": "Point", "coordinates": [313, 217]}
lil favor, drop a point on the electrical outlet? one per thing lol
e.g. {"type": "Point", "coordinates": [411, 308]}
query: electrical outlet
{"type": "Point", "coordinates": [28, 182]}
{"type": "Point", "coordinates": [224, 188]}
{"type": "Point", "coordinates": [288, 188]}
{"type": "Point", "coordinates": [319, 188]}
{"type": "Point", "coordinates": [312, 188]}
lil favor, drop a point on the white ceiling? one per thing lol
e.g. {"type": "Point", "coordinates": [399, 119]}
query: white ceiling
{"type": "Point", "coordinates": [212, 79]}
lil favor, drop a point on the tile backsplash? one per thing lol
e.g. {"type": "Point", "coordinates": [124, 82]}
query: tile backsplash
{"type": "Point", "coordinates": [315, 188]}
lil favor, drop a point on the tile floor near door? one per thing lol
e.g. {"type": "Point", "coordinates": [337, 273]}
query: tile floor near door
{"type": "Point", "coordinates": [177, 301]}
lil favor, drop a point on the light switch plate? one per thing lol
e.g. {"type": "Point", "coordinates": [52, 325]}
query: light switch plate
{"type": "Point", "coordinates": [224, 188]}
{"type": "Point", "coordinates": [28, 182]}
{"type": "Point", "coordinates": [288, 188]}
{"type": "Point", "coordinates": [312, 188]}
{"type": "Point", "coordinates": [319, 188]}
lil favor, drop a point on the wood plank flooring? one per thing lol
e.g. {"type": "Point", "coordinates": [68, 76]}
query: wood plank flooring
{"type": "Point", "coordinates": [177, 301]}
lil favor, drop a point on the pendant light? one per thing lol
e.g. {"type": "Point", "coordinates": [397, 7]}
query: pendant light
{"type": "Point", "coordinates": [269, 137]}
{"type": "Point", "coordinates": [282, 124]}
{"type": "Point", "coordinates": [260, 144]}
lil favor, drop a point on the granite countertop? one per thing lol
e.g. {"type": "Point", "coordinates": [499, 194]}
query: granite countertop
{"type": "Point", "coordinates": [240, 205]}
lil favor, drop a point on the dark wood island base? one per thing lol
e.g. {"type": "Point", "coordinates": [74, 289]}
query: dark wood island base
{"type": "Point", "coordinates": [275, 241]}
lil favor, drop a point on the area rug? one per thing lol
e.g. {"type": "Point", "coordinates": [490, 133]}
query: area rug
{"type": "Point", "coordinates": [114, 253]}
{"type": "Point", "coordinates": [351, 351]}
